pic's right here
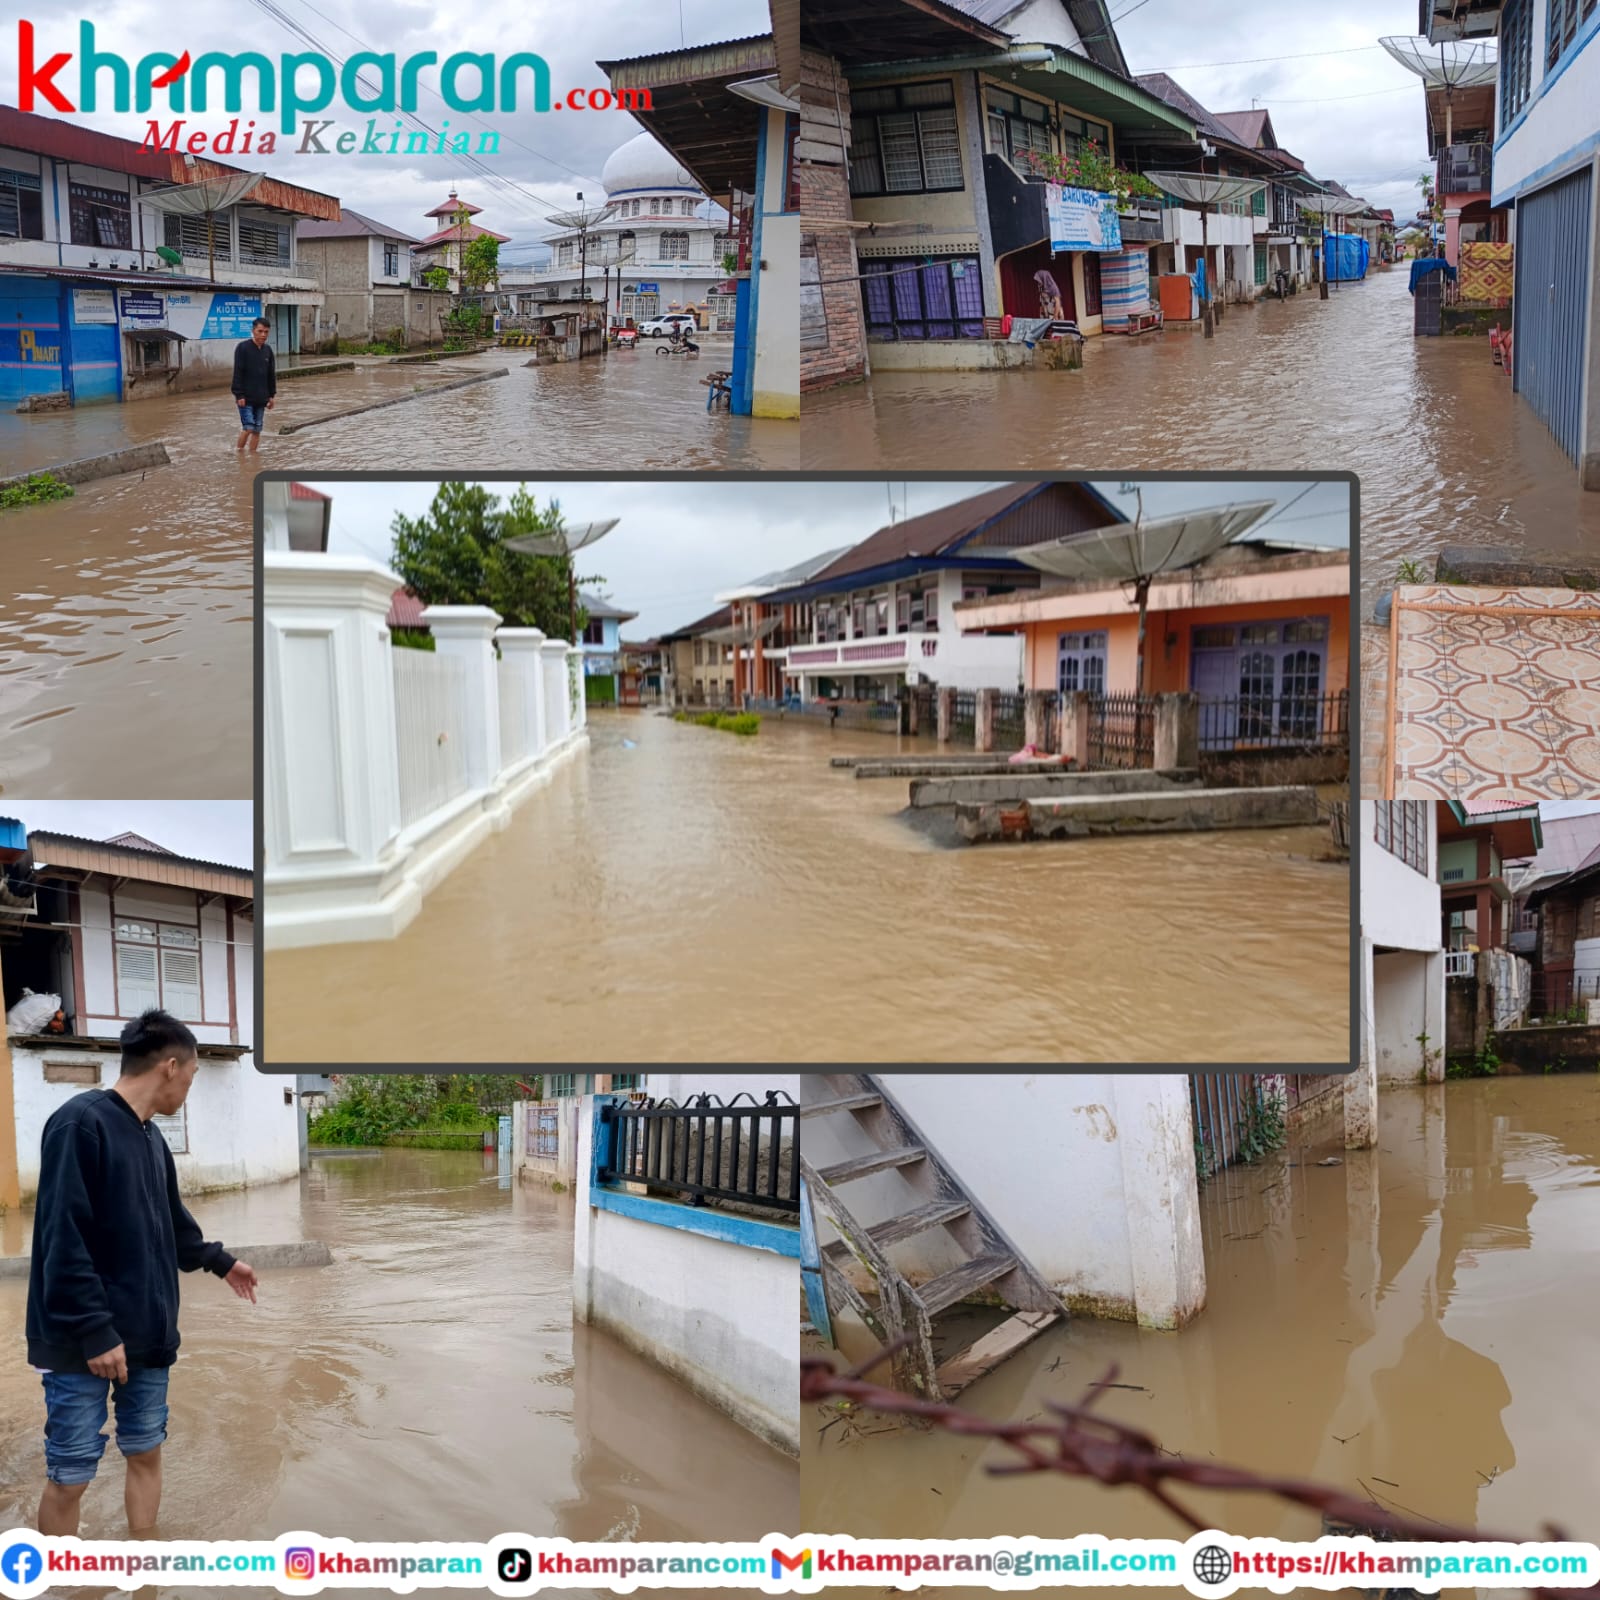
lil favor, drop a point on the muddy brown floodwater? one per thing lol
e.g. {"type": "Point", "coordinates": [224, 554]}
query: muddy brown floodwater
{"type": "Point", "coordinates": [701, 897]}
{"type": "Point", "coordinates": [1445, 451]}
{"type": "Point", "coordinates": [430, 1384]}
{"type": "Point", "coordinates": [1415, 1325]}
{"type": "Point", "coordinates": [125, 636]}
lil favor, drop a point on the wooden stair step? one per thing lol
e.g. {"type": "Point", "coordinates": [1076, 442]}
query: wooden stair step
{"type": "Point", "coordinates": [905, 1226]}
{"type": "Point", "coordinates": [864, 1101]}
{"type": "Point", "coordinates": [959, 1282]}
{"type": "Point", "coordinates": [865, 1166]}
{"type": "Point", "coordinates": [983, 1355]}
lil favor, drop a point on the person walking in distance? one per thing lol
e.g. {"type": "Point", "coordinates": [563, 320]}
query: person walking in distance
{"type": "Point", "coordinates": [110, 1235]}
{"type": "Point", "coordinates": [255, 384]}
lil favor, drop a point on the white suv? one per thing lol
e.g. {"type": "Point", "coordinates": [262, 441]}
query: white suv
{"type": "Point", "coordinates": [673, 322]}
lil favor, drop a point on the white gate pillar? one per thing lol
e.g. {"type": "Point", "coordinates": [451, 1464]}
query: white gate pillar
{"type": "Point", "coordinates": [467, 633]}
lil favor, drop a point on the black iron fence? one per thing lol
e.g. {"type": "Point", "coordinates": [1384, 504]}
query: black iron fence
{"type": "Point", "coordinates": [742, 1153]}
{"type": "Point", "coordinates": [1562, 996]}
{"type": "Point", "coordinates": [1010, 722]}
{"type": "Point", "coordinates": [964, 719]}
{"type": "Point", "coordinates": [1276, 722]}
{"type": "Point", "coordinates": [1122, 731]}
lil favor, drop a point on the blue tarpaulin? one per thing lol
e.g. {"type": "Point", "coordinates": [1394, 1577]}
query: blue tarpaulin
{"type": "Point", "coordinates": [1347, 255]}
{"type": "Point", "coordinates": [1421, 267]}
{"type": "Point", "coordinates": [1200, 279]}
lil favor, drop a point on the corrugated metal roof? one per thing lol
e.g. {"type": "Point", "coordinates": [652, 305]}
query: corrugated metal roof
{"type": "Point", "coordinates": [1173, 92]}
{"type": "Point", "coordinates": [141, 862]}
{"type": "Point", "coordinates": [351, 225]}
{"type": "Point", "coordinates": [596, 607]}
{"type": "Point", "coordinates": [142, 280]}
{"type": "Point", "coordinates": [26, 130]}
{"type": "Point", "coordinates": [304, 491]}
{"type": "Point", "coordinates": [712, 619]}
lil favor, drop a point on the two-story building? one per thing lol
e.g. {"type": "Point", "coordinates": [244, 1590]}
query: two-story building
{"type": "Point", "coordinates": [700, 668]}
{"type": "Point", "coordinates": [111, 928]}
{"type": "Point", "coordinates": [444, 246]}
{"type": "Point", "coordinates": [364, 267]}
{"type": "Point", "coordinates": [641, 673]}
{"type": "Point", "coordinates": [961, 130]}
{"type": "Point", "coordinates": [760, 633]}
{"type": "Point", "coordinates": [1544, 169]}
{"type": "Point", "coordinates": [883, 615]}
{"type": "Point", "coordinates": [602, 648]}
{"type": "Point", "coordinates": [127, 271]}
{"type": "Point", "coordinates": [1285, 237]}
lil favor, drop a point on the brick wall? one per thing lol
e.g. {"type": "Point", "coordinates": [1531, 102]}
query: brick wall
{"type": "Point", "coordinates": [833, 347]}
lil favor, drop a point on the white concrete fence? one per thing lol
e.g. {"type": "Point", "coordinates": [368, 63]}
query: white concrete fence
{"type": "Point", "coordinates": [384, 767]}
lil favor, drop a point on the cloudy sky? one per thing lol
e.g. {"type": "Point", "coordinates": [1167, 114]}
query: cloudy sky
{"type": "Point", "coordinates": [204, 830]}
{"type": "Point", "coordinates": [677, 545]}
{"type": "Point", "coordinates": [1337, 100]}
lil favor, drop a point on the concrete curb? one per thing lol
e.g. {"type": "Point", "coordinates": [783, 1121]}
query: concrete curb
{"type": "Point", "coordinates": [1027, 785]}
{"type": "Point", "coordinates": [1177, 810]}
{"type": "Point", "coordinates": [87, 468]}
{"type": "Point", "coordinates": [399, 400]}
{"type": "Point", "coordinates": [263, 1257]}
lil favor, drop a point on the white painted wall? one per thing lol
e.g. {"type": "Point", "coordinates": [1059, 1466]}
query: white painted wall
{"type": "Point", "coordinates": [240, 1130]}
{"type": "Point", "coordinates": [722, 1318]}
{"type": "Point", "coordinates": [1091, 1176]}
{"type": "Point", "coordinates": [1044, 22]}
{"type": "Point", "coordinates": [725, 1085]}
{"type": "Point", "coordinates": [1556, 131]}
{"type": "Point", "coordinates": [1407, 1000]}
{"type": "Point", "coordinates": [1399, 906]}
{"type": "Point", "coordinates": [776, 390]}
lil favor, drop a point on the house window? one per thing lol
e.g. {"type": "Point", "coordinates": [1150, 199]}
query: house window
{"type": "Point", "coordinates": [1261, 265]}
{"type": "Point", "coordinates": [157, 964]}
{"type": "Point", "coordinates": [1081, 663]}
{"type": "Point", "coordinates": [902, 612]}
{"type": "Point", "coordinates": [858, 616]}
{"type": "Point", "coordinates": [563, 1085]}
{"type": "Point", "coordinates": [192, 236]}
{"type": "Point", "coordinates": [930, 622]}
{"type": "Point", "coordinates": [699, 653]}
{"type": "Point", "coordinates": [100, 216]}
{"type": "Point", "coordinates": [1516, 57]}
{"type": "Point", "coordinates": [564, 254]}
{"type": "Point", "coordinates": [1017, 128]}
{"type": "Point", "coordinates": [391, 261]}
{"type": "Point", "coordinates": [264, 243]}
{"type": "Point", "coordinates": [636, 206]}
{"type": "Point", "coordinates": [21, 206]}
{"type": "Point", "coordinates": [904, 140]}
{"type": "Point", "coordinates": [934, 300]}
{"type": "Point", "coordinates": [686, 207]}
{"type": "Point", "coordinates": [674, 247]}
{"type": "Point", "coordinates": [1402, 830]}
{"type": "Point", "coordinates": [1258, 203]}
{"type": "Point", "coordinates": [1565, 15]}
{"type": "Point", "coordinates": [625, 1082]}
{"type": "Point", "coordinates": [594, 631]}
{"type": "Point", "coordinates": [627, 242]}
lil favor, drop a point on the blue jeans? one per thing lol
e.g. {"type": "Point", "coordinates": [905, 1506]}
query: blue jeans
{"type": "Point", "coordinates": [75, 1414]}
{"type": "Point", "coordinates": [252, 417]}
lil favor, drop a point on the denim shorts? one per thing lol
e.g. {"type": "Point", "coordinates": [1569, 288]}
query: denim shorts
{"type": "Point", "coordinates": [252, 417]}
{"type": "Point", "coordinates": [75, 1414]}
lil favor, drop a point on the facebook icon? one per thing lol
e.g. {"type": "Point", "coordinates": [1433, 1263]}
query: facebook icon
{"type": "Point", "coordinates": [20, 1564]}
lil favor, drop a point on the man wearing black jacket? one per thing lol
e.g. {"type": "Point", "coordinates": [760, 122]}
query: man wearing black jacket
{"type": "Point", "coordinates": [255, 383]}
{"type": "Point", "coordinates": [110, 1236]}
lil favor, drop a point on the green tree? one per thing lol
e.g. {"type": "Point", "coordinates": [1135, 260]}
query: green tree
{"type": "Point", "coordinates": [437, 277]}
{"type": "Point", "coordinates": [455, 555]}
{"type": "Point", "coordinates": [480, 263]}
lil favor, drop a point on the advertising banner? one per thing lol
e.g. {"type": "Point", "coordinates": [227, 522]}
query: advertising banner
{"type": "Point", "coordinates": [1081, 219]}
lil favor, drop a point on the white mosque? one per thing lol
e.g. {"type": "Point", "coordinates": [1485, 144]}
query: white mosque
{"type": "Point", "coordinates": [663, 244]}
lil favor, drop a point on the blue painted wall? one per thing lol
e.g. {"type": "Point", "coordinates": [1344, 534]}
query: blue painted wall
{"type": "Point", "coordinates": [32, 339]}
{"type": "Point", "coordinates": [94, 350]}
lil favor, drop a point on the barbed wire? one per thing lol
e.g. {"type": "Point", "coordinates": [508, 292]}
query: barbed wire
{"type": "Point", "coordinates": [1080, 1442]}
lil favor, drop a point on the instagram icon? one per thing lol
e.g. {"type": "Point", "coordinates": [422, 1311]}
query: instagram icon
{"type": "Point", "coordinates": [300, 1562]}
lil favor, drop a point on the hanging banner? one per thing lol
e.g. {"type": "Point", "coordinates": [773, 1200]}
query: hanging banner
{"type": "Point", "coordinates": [230, 316]}
{"type": "Point", "coordinates": [1081, 219]}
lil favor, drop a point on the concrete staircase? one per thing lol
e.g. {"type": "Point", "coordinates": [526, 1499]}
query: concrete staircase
{"type": "Point", "coordinates": [895, 1308]}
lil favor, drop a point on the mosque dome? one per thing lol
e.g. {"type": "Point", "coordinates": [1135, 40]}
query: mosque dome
{"type": "Point", "coordinates": [642, 164]}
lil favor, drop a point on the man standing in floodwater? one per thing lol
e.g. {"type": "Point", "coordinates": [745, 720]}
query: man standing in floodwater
{"type": "Point", "coordinates": [255, 383]}
{"type": "Point", "coordinates": [110, 1236]}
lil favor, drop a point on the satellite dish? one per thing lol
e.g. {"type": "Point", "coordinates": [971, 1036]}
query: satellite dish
{"type": "Point", "coordinates": [1457, 65]}
{"type": "Point", "coordinates": [172, 257]}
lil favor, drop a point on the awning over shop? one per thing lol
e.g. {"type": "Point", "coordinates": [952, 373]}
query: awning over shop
{"type": "Point", "coordinates": [137, 332]}
{"type": "Point", "coordinates": [696, 111]}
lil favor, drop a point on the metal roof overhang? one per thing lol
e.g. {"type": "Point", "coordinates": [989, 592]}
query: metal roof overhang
{"type": "Point", "coordinates": [856, 32]}
{"type": "Point", "coordinates": [1440, 21]}
{"type": "Point", "coordinates": [1066, 77]}
{"type": "Point", "coordinates": [696, 113]}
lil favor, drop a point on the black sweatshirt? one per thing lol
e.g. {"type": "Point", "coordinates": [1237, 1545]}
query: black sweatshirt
{"type": "Point", "coordinates": [255, 372]}
{"type": "Point", "coordinates": [109, 1237]}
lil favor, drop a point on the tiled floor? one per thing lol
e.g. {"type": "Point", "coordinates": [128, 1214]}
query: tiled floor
{"type": "Point", "coordinates": [1496, 694]}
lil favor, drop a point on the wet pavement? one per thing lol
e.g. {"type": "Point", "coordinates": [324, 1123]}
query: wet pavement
{"type": "Point", "coordinates": [125, 637]}
{"type": "Point", "coordinates": [1446, 453]}
{"type": "Point", "coordinates": [1414, 1324]}
{"type": "Point", "coordinates": [430, 1384]}
{"type": "Point", "coordinates": [700, 897]}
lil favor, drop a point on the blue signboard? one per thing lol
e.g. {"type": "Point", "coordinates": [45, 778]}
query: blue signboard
{"type": "Point", "coordinates": [140, 305]}
{"type": "Point", "coordinates": [1081, 219]}
{"type": "Point", "coordinates": [230, 316]}
{"type": "Point", "coordinates": [597, 666]}
{"type": "Point", "coordinates": [649, 288]}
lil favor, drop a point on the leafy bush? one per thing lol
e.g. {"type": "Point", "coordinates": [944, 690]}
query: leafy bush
{"type": "Point", "coordinates": [744, 724]}
{"type": "Point", "coordinates": [378, 1110]}
{"type": "Point", "coordinates": [34, 490]}
{"type": "Point", "coordinates": [708, 719]}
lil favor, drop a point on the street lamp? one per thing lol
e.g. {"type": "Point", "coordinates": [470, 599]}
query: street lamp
{"type": "Point", "coordinates": [562, 542]}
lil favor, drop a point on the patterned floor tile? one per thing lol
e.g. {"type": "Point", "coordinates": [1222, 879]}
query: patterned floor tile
{"type": "Point", "coordinates": [1494, 694]}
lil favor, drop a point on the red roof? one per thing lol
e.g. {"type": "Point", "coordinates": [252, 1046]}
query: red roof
{"type": "Point", "coordinates": [304, 491]}
{"type": "Point", "coordinates": [405, 610]}
{"type": "Point", "coordinates": [452, 206]}
{"type": "Point", "coordinates": [463, 230]}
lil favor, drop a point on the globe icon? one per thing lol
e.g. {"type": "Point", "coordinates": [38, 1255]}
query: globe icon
{"type": "Point", "coordinates": [1211, 1564]}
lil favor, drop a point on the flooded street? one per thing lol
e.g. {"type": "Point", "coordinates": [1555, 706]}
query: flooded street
{"type": "Point", "coordinates": [1415, 1325]}
{"type": "Point", "coordinates": [700, 897]}
{"type": "Point", "coordinates": [430, 1384]}
{"type": "Point", "coordinates": [125, 630]}
{"type": "Point", "coordinates": [1445, 451]}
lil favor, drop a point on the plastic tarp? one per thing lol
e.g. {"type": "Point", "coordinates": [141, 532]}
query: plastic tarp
{"type": "Point", "coordinates": [1200, 280]}
{"type": "Point", "coordinates": [1348, 255]}
{"type": "Point", "coordinates": [1423, 265]}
